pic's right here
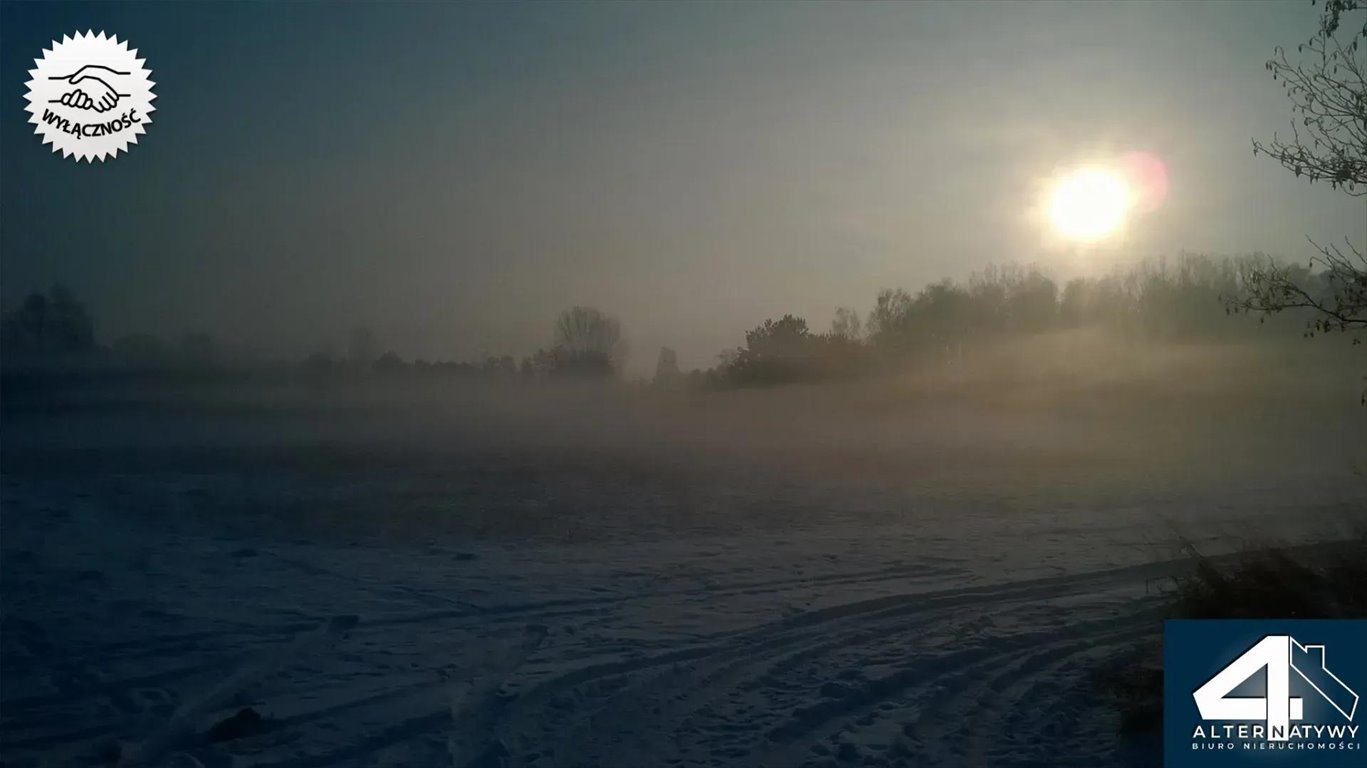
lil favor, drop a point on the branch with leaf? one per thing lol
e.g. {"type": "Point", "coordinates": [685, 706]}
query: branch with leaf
{"type": "Point", "coordinates": [1328, 91]}
{"type": "Point", "coordinates": [1338, 300]}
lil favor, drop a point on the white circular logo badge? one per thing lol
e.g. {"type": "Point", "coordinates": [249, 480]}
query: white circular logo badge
{"type": "Point", "coordinates": [90, 96]}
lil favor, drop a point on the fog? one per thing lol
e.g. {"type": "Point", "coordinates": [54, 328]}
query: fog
{"type": "Point", "coordinates": [455, 174]}
{"type": "Point", "coordinates": [1075, 419]}
{"type": "Point", "coordinates": [549, 385]}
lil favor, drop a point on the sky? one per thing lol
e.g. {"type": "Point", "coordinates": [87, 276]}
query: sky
{"type": "Point", "coordinates": [453, 175]}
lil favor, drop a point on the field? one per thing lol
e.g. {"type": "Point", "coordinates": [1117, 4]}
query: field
{"type": "Point", "coordinates": [928, 571]}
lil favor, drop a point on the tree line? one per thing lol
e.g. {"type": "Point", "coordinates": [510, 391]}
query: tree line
{"type": "Point", "coordinates": [1191, 298]}
{"type": "Point", "coordinates": [54, 331]}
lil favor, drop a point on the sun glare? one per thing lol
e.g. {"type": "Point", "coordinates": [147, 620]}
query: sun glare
{"type": "Point", "coordinates": [1089, 204]}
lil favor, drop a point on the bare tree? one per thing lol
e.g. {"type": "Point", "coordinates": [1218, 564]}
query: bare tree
{"type": "Point", "coordinates": [589, 340]}
{"type": "Point", "coordinates": [1336, 295]}
{"type": "Point", "coordinates": [361, 348]}
{"type": "Point", "coordinates": [667, 368]}
{"type": "Point", "coordinates": [847, 325]}
{"type": "Point", "coordinates": [1328, 91]}
{"type": "Point", "coordinates": [49, 327]}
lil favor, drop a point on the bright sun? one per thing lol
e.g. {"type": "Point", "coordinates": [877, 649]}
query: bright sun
{"type": "Point", "coordinates": [1089, 204]}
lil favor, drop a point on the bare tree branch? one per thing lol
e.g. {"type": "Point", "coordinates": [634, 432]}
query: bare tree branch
{"type": "Point", "coordinates": [1328, 91]}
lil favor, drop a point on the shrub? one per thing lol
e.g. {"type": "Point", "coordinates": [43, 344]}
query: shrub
{"type": "Point", "coordinates": [1327, 581]}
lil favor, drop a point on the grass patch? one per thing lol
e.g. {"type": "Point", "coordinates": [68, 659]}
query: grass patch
{"type": "Point", "coordinates": [1326, 581]}
{"type": "Point", "coordinates": [1320, 582]}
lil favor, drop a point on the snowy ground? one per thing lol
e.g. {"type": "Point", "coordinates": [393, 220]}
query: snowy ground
{"type": "Point", "coordinates": [704, 615]}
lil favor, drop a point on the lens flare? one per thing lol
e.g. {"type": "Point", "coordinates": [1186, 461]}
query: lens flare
{"type": "Point", "coordinates": [1148, 180]}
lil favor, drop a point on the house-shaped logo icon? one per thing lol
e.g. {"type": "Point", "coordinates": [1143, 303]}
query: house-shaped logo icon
{"type": "Point", "coordinates": [1254, 693]}
{"type": "Point", "coordinates": [1284, 659]}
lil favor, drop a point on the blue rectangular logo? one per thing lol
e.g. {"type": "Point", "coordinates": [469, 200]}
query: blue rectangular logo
{"type": "Point", "coordinates": [1264, 692]}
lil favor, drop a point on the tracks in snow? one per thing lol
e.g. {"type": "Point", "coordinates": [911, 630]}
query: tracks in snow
{"type": "Point", "coordinates": [884, 680]}
{"type": "Point", "coordinates": [875, 682]}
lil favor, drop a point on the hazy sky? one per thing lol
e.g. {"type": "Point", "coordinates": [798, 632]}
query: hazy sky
{"type": "Point", "coordinates": [452, 175]}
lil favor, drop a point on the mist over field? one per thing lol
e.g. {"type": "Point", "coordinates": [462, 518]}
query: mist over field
{"type": "Point", "coordinates": [590, 386]}
{"type": "Point", "coordinates": [1054, 418]}
{"type": "Point", "coordinates": [646, 556]}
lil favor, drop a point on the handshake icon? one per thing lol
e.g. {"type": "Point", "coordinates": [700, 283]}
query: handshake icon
{"type": "Point", "coordinates": [91, 88]}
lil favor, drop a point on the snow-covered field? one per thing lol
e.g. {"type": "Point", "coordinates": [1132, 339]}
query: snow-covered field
{"type": "Point", "coordinates": [414, 595]}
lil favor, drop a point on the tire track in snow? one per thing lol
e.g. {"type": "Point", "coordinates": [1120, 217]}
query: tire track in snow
{"type": "Point", "coordinates": [467, 613]}
{"type": "Point", "coordinates": [742, 650]}
{"type": "Point", "coordinates": [770, 649]}
{"type": "Point", "coordinates": [695, 675]}
{"type": "Point", "coordinates": [1039, 707]}
{"type": "Point", "coordinates": [970, 712]}
{"type": "Point", "coordinates": [538, 611]}
{"type": "Point", "coordinates": [746, 667]}
{"type": "Point", "coordinates": [930, 689]}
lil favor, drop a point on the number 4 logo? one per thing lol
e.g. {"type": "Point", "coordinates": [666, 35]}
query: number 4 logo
{"type": "Point", "coordinates": [1280, 655]}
